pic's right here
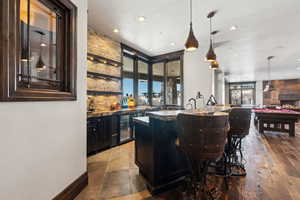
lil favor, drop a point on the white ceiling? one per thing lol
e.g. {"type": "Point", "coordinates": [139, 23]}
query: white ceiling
{"type": "Point", "coordinates": [265, 27]}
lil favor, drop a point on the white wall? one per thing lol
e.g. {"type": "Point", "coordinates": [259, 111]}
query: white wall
{"type": "Point", "coordinates": [197, 75]}
{"type": "Point", "coordinates": [227, 91]}
{"type": "Point", "coordinates": [259, 92]}
{"type": "Point", "coordinates": [43, 144]}
{"type": "Point", "coordinates": [219, 87]}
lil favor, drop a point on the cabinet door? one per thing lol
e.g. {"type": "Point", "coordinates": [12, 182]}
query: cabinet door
{"type": "Point", "coordinates": [106, 132]}
{"type": "Point", "coordinates": [91, 136]}
{"type": "Point", "coordinates": [115, 130]}
{"type": "Point", "coordinates": [100, 130]}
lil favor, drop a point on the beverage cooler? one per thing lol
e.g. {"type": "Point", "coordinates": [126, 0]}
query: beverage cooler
{"type": "Point", "coordinates": [126, 128]}
{"type": "Point", "coordinates": [127, 132]}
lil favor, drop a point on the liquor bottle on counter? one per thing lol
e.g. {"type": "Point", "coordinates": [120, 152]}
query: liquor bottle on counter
{"type": "Point", "coordinates": [131, 102]}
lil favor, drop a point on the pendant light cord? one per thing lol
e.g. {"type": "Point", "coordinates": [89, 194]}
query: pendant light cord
{"type": "Point", "coordinates": [210, 29]}
{"type": "Point", "coordinates": [191, 12]}
{"type": "Point", "coordinates": [269, 70]}
{"type": "Point", "coordinates": [41, 44]}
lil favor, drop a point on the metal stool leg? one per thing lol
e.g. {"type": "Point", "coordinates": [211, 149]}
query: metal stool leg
{"type": "Point", "coordinates": [236, 156]}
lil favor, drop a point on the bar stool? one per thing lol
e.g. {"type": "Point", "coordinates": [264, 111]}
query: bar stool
{"type": "Point", "coordinates": [202, 138]}
{"type": "Point", "coordinates": [239, 119]}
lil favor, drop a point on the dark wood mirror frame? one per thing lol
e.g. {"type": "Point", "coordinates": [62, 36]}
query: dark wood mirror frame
{"type": "Point", "coordinates": [10, 54]}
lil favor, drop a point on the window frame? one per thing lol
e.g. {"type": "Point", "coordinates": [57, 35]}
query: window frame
{"type": "Point", "coordinates": [10, 54]}
{"type": "Point", "coordinates": [135, 75]}
{"type": "Point", "coordinates": [241, 90]}
{"type": "Point", "coordinates": [165, 58]}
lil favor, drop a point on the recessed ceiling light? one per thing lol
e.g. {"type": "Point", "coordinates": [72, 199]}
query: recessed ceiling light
{"type": "Point", "coordinates": [233, 28]}
{"type": "Point", "coordinates": [172, 43]}
{"type": "Point", "coordinates": [298, 68]}
{"type": "Point", "coordinates": [141, 18]}
{"type": "Point", "coordinates": [116, 30]}
{"type": "Point", "coordinates": [298, 59]}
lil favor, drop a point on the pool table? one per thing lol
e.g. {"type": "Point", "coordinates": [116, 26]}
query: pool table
{"type": "Point", "coordinates": [280, 120]}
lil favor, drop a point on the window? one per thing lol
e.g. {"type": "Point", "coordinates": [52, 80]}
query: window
{"type": "Point", "coordinates": [158, 84]}
{"type": "Point", "coordinates": [155, 81]}
{"type": "Point", "coordinates": [43, 64]}
{"type": "Point", "coordinates": [242, 93]}
{"type": "Point", "coordinates": [173, 84]}
{"type": "Point", "coordinates": [128, 79]}
{"type": "Point", "coordinates": [143, 97]}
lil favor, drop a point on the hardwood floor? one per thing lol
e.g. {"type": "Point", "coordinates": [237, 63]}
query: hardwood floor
{"type": "Point", "coordinates": [273, 167]}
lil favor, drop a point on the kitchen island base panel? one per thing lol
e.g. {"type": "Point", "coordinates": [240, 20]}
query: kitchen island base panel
{"type": "Point", "coordinates": [160, 162]}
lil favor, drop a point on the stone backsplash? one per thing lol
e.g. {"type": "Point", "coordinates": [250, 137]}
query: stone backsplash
{"type": "Point", "coordinates": [103, 85]}
{"type": "Point", "coordinates": [105, 47]}
{"type": "Point", "coordinates": [103, 102]}
{"type": "Point", "coordinates": [103, 68]}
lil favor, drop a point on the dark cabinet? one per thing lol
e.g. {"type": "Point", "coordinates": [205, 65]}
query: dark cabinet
{"type": "Point", "coordinates": [99, 133]}
{"type": "Point", "coordinates": [109, 131]}
{"type": "Point", "coordinates": [115, 130]}
{"type": "Point", "coordinates": [91, 135]}
{"type": "Point", "coordinates": [105, 126]}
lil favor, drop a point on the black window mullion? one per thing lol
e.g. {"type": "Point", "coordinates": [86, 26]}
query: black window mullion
{"type": "Point", "coordinates": [135, 78]}
{"type": "Point", "coordinates": [165, 82]}
{"type": "Point", "coordinates": [150, 83]}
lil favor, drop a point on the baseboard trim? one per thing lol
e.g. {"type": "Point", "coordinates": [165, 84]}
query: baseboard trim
{"type": "Point", "coordinates": [70, 192]}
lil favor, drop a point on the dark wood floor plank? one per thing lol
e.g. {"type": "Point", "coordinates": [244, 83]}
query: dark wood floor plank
{"type": "Point", "coordinates": [272, 164]}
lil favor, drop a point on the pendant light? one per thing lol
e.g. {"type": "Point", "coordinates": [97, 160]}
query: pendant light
{"type": "Point", "coordinates": [192, 43]}
{"type": "Point", "coordinates": [211, 56]}
{"type": "Point", "coordinates": [24, 54]}
{"type": "Point", "coordinates": [40, 64]}
{"type": "Point", "coordinates": [25, 57]}
{"type": "Point", "coordinates": [214, 64]}
{"type": "Point", "coordinates": [269, 87]}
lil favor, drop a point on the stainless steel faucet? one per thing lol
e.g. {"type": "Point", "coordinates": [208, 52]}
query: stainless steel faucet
{"type": "Point", "coordinates": [189, 104]}
{"type": "Point", "coordinates": [195, 102]}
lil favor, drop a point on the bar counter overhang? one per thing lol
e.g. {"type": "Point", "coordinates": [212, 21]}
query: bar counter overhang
{"type": "Point", "coordinates": [160, 161]}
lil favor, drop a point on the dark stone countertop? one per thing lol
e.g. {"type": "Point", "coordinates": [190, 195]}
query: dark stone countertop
{"type": "Point", "coordinates": [142, 120]}
{"type": "Point", "coordinates": [121, 111]}
{"type": "Point", "coordinates": [168, 115]}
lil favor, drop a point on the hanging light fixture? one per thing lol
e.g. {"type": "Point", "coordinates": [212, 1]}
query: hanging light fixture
{"type": "Point", "coordinates": [214, 64]}
{"type": "Point", "coordinates": [25, 54]}
{"type": "Point", "coordinates": [40, 64]}
{"type": "Point", "coordinates": [192, 43]}
{"type": "Point", "coordinates": [211, 56]}
{"type": "Point", "coordinates": [269, 87]}
{"type": "Point", "coordinates": [25, 57]}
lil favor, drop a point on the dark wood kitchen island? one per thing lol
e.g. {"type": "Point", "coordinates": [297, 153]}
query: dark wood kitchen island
{"type": "Point", "coordinates": [160, 161]}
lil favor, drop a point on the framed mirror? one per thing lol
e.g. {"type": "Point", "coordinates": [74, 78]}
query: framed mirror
{"type": "Point", "coordinates": [38, 54]}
